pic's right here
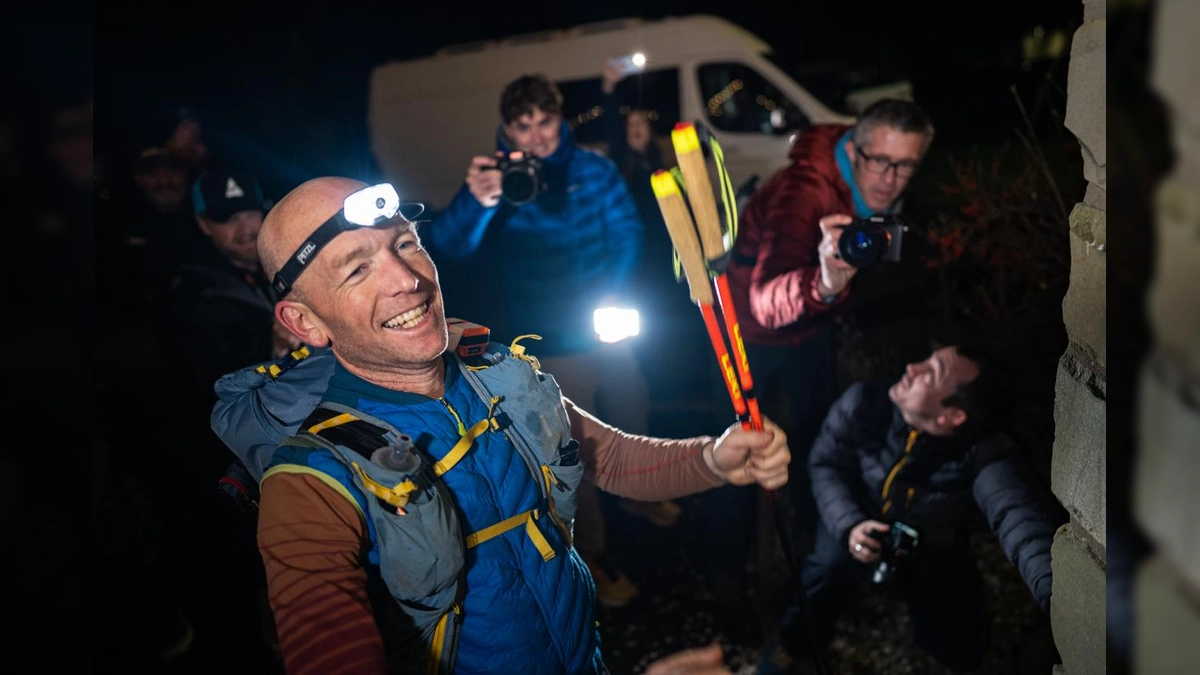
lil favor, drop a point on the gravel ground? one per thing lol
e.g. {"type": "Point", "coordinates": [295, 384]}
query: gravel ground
{"type": "Point", "coordinates": [672, 609]}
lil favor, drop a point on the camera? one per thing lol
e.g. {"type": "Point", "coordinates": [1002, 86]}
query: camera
{"type": "Point", "coordinates": [520, 178]}
{"type": "Point", "coordinates": [866, 241]}
{"type": "Point", "coordinates": [898, 545]}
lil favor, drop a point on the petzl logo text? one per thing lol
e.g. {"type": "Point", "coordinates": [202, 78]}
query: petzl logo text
{"type": "Point", "coordinates": [302, 256]}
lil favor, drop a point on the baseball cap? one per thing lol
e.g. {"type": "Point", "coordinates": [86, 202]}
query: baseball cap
{"type": "Point", "coordinates": [217, 195]}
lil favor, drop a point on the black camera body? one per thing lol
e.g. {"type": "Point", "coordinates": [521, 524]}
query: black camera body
{"type": "Point", "coordinates": [520, 179]}
{"type": "Point", "coordinates": [866, 241]}
{"type": "Point", "coordinates": [899, 544]}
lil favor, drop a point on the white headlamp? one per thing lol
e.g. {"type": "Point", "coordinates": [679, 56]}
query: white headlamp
{"type": "Point", "coordinates": [367, 207]}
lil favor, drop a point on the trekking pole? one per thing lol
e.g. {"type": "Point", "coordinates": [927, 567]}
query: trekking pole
{"type": "Point", "coordinates": [712, 259]}
{"type": "Point", "coordinates": [716, 253]}
{"type": "Point", "coordinates": [683, 235]}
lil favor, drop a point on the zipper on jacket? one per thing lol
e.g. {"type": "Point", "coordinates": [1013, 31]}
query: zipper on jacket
{"type": "Point", "coordinates": [462, 430]}
{"type": "Point", "coordinates": [887, 483]}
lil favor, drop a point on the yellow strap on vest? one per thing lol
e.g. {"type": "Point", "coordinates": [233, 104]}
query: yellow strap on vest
{"type": "Point", "coordinates": [397, 495]}
{"type": "Point", "coordinates": [552, 479]}
{"type": "Point", "coordinates": [460, 448]}
{"type": "Point", "coordinates": [275, 369]}
{"type": "Point", "coordinates": [439, 638]}
{"type": "Point", "coordinates": [518, 350]}
{"type": "Point", "coordinates": [464, 444]}
{"type": "Point", "coordinates": [334, 421]}
{"type": "Point", "coordinates": [529, 519]}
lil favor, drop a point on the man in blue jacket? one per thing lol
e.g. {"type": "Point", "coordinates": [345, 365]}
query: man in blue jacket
{"type": "Point", "coordinates": [916, 459]}
{"type": "Point", "coordinates": [572, 248]}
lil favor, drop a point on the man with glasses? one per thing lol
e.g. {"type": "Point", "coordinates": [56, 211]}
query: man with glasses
{"type": "Point", "coordinates": [788, 283]}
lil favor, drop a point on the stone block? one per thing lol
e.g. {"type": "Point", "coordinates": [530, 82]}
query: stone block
{"type": "Point", "coordinates": [1077, 606]}
{"type": "Point", "coordinates": [1175, 53]}
{"type": "Point", "coordinates": [1078, 467]}
{"type": "Point", "coordinates": [1173, 299]}
{"type": "Point", "coordinates": [1086, 102]}
{"type": "Point", "coordinates": [1167, 469]}
{"type": "Point", "coordinates": [1168, 621]}
{"type": "Point", "coordinates": [1085, 302]}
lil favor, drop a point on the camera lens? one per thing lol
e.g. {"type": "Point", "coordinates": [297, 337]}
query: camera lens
{"type": "Point", "coordinates": [519, 185]}
{"type": "Point", "coordinates": [862, 243]}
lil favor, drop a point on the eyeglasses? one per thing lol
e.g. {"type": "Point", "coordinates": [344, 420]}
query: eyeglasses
{"type": "Point", "coordinates": [880, 164]}
{"type": "Point", "coordinates": [369, 207]}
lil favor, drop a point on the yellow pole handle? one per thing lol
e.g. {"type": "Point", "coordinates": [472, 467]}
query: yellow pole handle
{"type": "Point", "coordinates": [683, 235]}
{"type": "Point", "coordinates": [699, 189]}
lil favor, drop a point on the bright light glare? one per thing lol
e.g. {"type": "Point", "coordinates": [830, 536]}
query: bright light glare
{"type": "Point", "coordinates": [639, 59]}
{"type": "Point", "coordinates": [369, 205]}
{"type": "Point", "coordinates": [614, 324]}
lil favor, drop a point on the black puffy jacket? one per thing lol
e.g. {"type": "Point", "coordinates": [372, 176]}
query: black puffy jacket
{"type": "Point", "coordinates": [868, 463]}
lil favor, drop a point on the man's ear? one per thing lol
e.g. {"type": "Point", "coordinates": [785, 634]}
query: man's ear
{"type": "Point", "coordinates": [298, 318]}
{"type": "Point", "coordinates": [951, 418]}
{"type": "Point", "coordinates": [849, 148]}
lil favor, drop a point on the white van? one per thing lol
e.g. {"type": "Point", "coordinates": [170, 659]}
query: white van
{"type": "Point", "coordinates": [429, 116]}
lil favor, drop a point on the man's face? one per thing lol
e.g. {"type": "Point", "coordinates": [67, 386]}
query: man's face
{"type": "Point", "coordinates": [920, 392]}
{"type": "Point", "coordinates": [884, 165]}
{"type": "Point", "coordinates": [536, 133]}
{"type": "Point", "coordinates": [237, 237]}
{"type": "Point", "coordinates": [376, 292]}
{"type": "Point", "coordinates": [165, 187]}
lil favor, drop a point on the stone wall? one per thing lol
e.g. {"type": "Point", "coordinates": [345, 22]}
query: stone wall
{"type": "Point", "coordinates": [1078, 469]}
{"type": "Point", "coordinates": [1166, 500]}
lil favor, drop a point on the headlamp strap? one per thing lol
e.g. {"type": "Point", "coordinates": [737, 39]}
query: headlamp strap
{"type": "Point", "coordinates": [308, 250]}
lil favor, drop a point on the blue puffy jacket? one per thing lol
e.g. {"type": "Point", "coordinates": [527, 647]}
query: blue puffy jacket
{"type": "Point", "coordinates": [863, 466]}
{"type": "Point", "coordinates": [552, 259]}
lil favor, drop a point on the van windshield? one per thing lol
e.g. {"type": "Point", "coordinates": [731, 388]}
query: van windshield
{"type": "Point", "coordinates": [738, 98]}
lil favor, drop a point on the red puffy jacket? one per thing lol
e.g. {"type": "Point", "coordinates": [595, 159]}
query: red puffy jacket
{"type": "Point", "coordinates": [774, 269]}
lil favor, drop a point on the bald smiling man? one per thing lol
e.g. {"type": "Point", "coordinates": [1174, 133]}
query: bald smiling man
{"type": "Point", "coordinates": [466, 563]}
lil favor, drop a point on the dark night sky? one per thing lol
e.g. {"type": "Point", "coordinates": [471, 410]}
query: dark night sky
{"type": "Point", "coordinates": [264, 78]}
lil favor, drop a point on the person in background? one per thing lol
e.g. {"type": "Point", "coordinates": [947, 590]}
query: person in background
{"type": "Point", "coordinates": [219, 317]}
{"type": "Point", "coordinates": [573, 249]}
{"type": "Point", "coordinates": [898, 471]}
{"type": "Point", "coordinates": [789, 285]}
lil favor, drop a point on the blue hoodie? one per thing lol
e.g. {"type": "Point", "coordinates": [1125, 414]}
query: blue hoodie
{"type": "Point", "coordinates": [551, 261]}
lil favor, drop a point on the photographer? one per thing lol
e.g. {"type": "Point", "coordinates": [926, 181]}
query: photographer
{"type": "Point", "coordinates": [897, 473]}
{"type": "Point", "coordinates": [788, 282]}
{"type": "Point", "coordinates": [554, 226]}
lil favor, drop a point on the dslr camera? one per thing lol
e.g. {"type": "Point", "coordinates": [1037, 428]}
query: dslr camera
{"type": "Point", "coordinates": [866, 241]}
{"type": "Point", "coordinates": [520, 178]}
{"type": "Point", "coordinates": [898, 546]}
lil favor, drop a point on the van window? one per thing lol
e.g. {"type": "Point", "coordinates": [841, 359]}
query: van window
{"type": "Point", "coordinates": [738, 99]}
{"type": "Point", "coordinates": [656, 91]}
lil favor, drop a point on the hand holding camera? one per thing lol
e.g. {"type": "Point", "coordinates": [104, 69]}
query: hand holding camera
{"type": "Point", "coordinates": [516, 177]}
{"type": "Point", "coordinates": [836, 273]}
{"type": "Point", "coordinates": [483, 183]}
{"type": "Point", "coordinates": [899, 545]}
{"type": "Point", "coordinates": [864, 540]}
